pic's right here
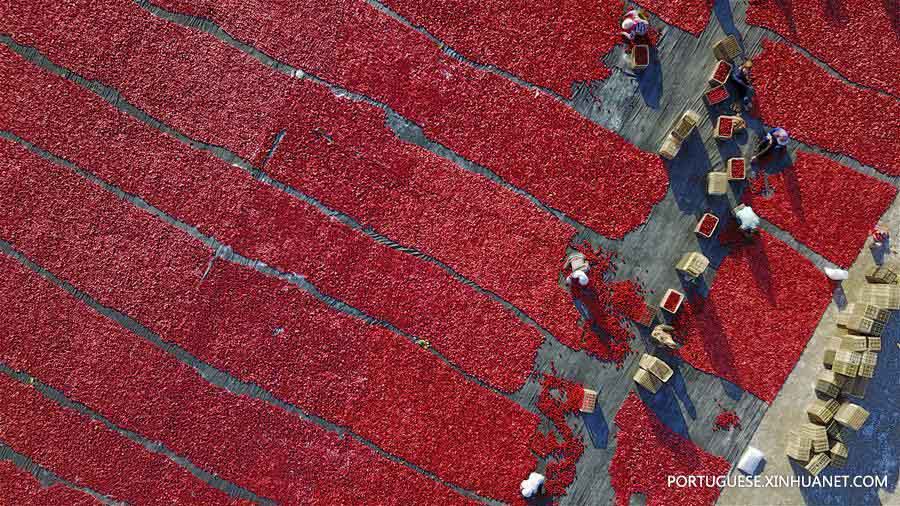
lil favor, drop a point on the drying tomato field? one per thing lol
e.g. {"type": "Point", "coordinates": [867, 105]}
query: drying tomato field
{"type": "Point", "coordinates": [315, 252]}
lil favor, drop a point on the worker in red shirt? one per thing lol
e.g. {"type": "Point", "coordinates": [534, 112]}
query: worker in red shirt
{"type": "Point", "coordinates": [635, 25]}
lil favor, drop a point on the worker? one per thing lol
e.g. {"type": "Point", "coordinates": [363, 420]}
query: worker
{"type": "Point", "coordinates": [740, 76]}
{"type": "Point", "coordinates": [662, 335]}
{"type": "Point", "coordinates": [748, 220]}
{"type": "Point", "coordinates": [532, 486]}
{"type": "Point", "coordinates": [880, 236]}
{"type": "Point", "coordinates": [774, 142]}
{"type": "Point", "coordinates": [579, 266]}
{"type": "Point", "coordinates": [635, 24]}
{"type": "Point", "coordinates": [578, 276]}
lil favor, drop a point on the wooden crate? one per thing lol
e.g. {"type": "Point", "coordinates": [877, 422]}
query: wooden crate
{"type": "Point", "coordinates": [717, 183]}
{"type": "Point", "coordinates": [829, 383]}
{"type": "Point", "coordinates": [720, 73]}
{"type": "Point", "coordinates": [867, 364]}
{"type": "Point", "coordinates": [865, 310]}
{"type": "Point", "coordinates": [693, 264]}
{"type": "Point", "coordinates": [685, 124]}
{"type": "Point", "coordinates": [863, 325]}
{"type": "Point", "coordinates": [883, 274]}
{"type": "Point", "coordinates": [838, 453]}
{"type": "Point", "coordinates": [852, 342]}
{"type": "Point", "coordinates": [647, 380]}
{"type": "Point", "coordinates": [822, 410]}
{"type": "Point", "coordinates": [817, 434]}
{"type": "Point", "coordinates": [855, 387]}
{"type": "Point", "coordinates": [850, 415]}
{"type": "Point", "coordinates": [727, 126]}
{"type": "Point", "coordinates": [656, 367]}
{"type": "Point", "coordinates": [672, 300]}
{"type": "Point", "coordinates": [799, 446]}
{"type": "Point", "coordinates": [706, 227]}
{"type": "Point", "coordinates": [726, 49]}
{"type": "Point", "coordinates": [640, 57]}
{"type": "Point", "coordinates": [831, 348]}
{"type": "Point", "coordinates": [737, 169]}
{"type": "Point", "coordinates": [589, 401]}
{"type": "Point", "coordinates": [716, 96]}
{"type": "Point", "coordinates": [873, 343]}
{"type": "Point", "coordinates": [846, 363]}
{"type": "Point", "coordinates": [884, 296]}
{"type": "Point", "coordinates": [817, 463]}
{"type": "Point", "coordinates": [670, 147]}
{"type": "Point", "coordinates": [834, 431]}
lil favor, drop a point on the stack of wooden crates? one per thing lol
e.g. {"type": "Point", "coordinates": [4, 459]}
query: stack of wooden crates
{"type": "Point", "coordinates": [850, 359]}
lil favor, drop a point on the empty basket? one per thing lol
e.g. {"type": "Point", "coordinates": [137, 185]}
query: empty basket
{"type": "Point", "coordinates": [647, 380]}
{"type": "Point", "coordinates": [685, 124]}
{"type": "Point", "coordinates": [693, 264]}
{"type": "Point", "coordinates": [727, 48]}
{"type": "Point", "coordinates": [838, 453]}
{"type": "Point", "coordinates": [717, 183]}
{"type": "Point", "coordinates": [817, 435]}
{"type": "Point", "coordinates": [798, 446]}
{"type": "Point", "coordinates": [834, 343]}
{"type": "Point", "coordinates": [656, 367]}
{"type": "Point", "coordinates": [846, 363]}
{"type": "Point", "coordinates": [882, 274]}
{"type": "Point", "coordinates": [821, 410]}
{"type": "Point", "coordinates": [885, 296]}
{"type": "Point", "coordinates": [818, 463]}
{"type": "Point", "coordinates": [828, 383]}
{"type": "Point", "coordinates": [855, 387]}
{"type": "Point", "coordinates": [670, 147]}
{"type": "Point", "coordinates": [867, 364]}
{"type": "Point", "coordinates": [850, 415]}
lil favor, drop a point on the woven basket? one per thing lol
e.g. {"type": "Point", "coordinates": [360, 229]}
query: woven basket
{"type": "Point", "coordinates": [717, 183]}
{"type": "Point", "coordinates": [670, 147]}
{"type": "Point", "coordinates": [656, 367]}
{"type": "Point", "coordinates": [671, 292]}
{"type": "Point", "coordinates": [867, 364]}
{"type": "Point", "coordinates": [821, 410]}
{"type": "Point", "coordinates": [693, 264]}
{"type": "Point", "coordinates": [647, 380]}
{"type": "Point", "coordinates": [846, 363]}
{"type": "Point", "coordinates": [710, 218]}
{"type": "Point", "coordinates": [818, 463]}
{"type": "Point", "coordinates": [855, 387]}
{"type": "Point", "coordinates": [685, 124]}
{"type": "Point", "coordinates": [720, 73]}
{"type": "Point", "coordinates": [852, 416]}
{"type": "Point", "coordinates": [886, 275]}
{"type": "Point", "coordinates": [829, 383]}
{"type": "Point", "coordinates": [737, 169]}
{"type": "Point", "coordinates": [640, 57]}
{"type": "Point", "coordinates": [838, 453]}
{"type": "Point", "coordinates": [727, 48]}
{"type": "Point", "coordinates": [589, 402]}
{"type": "Point", "coordinates": [799, 446]}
